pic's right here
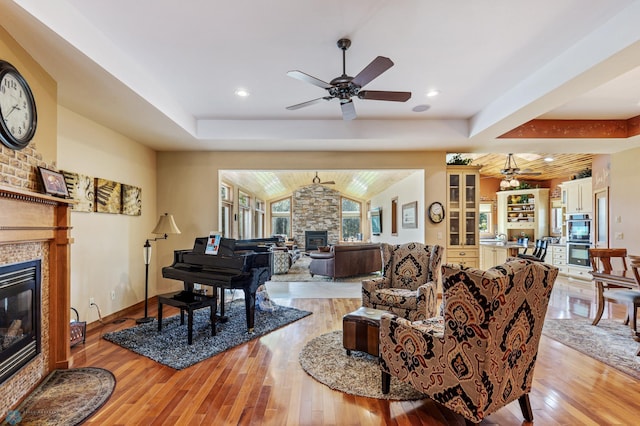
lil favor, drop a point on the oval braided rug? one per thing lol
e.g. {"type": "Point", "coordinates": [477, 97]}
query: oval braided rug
{"type": "Point", "coordinates": [65, 397]}
{"type": "Point", "coordinates": [325, 359]}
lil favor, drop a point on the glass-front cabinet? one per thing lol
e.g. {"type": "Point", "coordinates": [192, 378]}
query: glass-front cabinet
{"type": "Point", "coordinates": [463, 186]}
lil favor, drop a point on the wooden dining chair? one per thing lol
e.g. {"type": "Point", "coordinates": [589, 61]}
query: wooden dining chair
{"type": "Point", "coordinates": [614, 259]}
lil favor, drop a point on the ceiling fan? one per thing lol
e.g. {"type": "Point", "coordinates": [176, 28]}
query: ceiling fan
{"type": "Point", "coordinates": [345, 87]}
{"type": "Point", "coordinates": [511, 168]}
{"type": "Point", "coordinates": [511, 171]}
{"type": "Point", "coordinates": [317, 180]}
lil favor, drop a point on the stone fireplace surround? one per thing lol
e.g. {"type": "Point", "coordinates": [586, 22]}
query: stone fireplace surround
{"type": "Point", "coordinates": [316, 207]}
{"type": "Point", "coordinates": [37, 226]}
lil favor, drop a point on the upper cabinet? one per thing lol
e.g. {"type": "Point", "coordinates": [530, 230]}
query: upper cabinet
{"type": "Point", "coordinates": [524, 212]}
{"type": "Point", "coordinates": [577, 196]}
{"type": "Point", "coordinates": [463, 195]}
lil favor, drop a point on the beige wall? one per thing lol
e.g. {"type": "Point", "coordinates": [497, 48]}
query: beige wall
{"type": "Point", "coordinates": [188, 185]}
{"type": "Point", "coordinates": [106, 254]}
{"type": "Point", "coordinates": [624, 200]}
{"type": "Point", "coordinates": [44, 90]}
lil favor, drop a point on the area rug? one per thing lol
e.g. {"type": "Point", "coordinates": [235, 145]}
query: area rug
{"type": "Point", "coordinates": [299, 272]}
{"type": "Point", "coordinates": [610, 342]}
{"type": "Point", "coordinates": [325, 359]}
{"type": "Point", "coordinates": [169, 347]}
{"type": "Point", "coordinates": [65, 397]}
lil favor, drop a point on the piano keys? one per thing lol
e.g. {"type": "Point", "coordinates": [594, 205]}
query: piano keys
{"type": "Point", "coordinates": [229, 269]}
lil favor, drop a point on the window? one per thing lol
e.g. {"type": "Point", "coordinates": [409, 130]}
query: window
{"type": "Point", "coordinates": [486, 218]}
{"type": "Point", "coordinates": [244, 216]}
{"type": "Point", "coordinates": [351, 217]}
{"type": "Point", "coordinates": [281, 217]}
{"type": "Point", "coordinates": [259, 219]}
{"type": "Point", "coordinates": [226, 207]}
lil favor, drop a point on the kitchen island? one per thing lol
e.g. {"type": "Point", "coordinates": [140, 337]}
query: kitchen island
{"type": "Point", "coordinates": [493, 252]}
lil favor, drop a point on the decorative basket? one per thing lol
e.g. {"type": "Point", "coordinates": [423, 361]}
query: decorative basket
{"type": "Point", "coordinates": [78, 329]}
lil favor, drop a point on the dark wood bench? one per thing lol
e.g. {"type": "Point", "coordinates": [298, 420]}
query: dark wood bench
{"type": "Point", "coordinates": [188, 301]}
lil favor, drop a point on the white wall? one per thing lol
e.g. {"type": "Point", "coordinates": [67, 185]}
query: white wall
{"type": "Point", "coordinates": [106, 253]}
{"type": "Point", "coordinates": [408, 190]}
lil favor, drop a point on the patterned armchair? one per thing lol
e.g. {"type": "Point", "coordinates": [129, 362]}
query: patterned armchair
{"type": "Point", "coordinates": [409, 282]}
{"type": "Point", "coordinates": [480, 356]}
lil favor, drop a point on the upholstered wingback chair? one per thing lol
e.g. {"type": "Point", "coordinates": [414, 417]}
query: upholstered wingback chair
{"type": "Point", "coordinates": [409, 281]}
{"type": "Point", "coordinates": [481, 354]}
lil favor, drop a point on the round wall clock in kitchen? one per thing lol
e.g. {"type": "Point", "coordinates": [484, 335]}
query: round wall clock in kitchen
{"type": "Point", "coordinates": [435, 212]}
{"type": "Point", "coordinates": [18, 116]}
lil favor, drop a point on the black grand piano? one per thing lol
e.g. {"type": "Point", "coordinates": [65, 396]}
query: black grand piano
{"type": "Point", "coordinates": [239, 264]}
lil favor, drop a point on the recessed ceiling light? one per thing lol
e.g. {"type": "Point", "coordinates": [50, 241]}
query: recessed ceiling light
{"type": "Point", "coordinates": [243, 93]}
{"type": "Point", "coordinates": [420, 108]}
{"type": "Point", "coordinates": [548, 159]}
{"type": "Point", "coordinates": [433, 92]}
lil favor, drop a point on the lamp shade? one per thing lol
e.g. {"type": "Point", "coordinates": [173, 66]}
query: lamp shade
{"type": "Point", "coordinates": [166, 225]}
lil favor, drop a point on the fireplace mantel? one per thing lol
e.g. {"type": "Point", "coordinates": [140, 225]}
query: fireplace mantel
{"type": "Point", "coordinates": [31, 217]}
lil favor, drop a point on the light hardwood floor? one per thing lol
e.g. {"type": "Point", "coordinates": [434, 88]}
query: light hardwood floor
{"type": "Point", "coordinates": [261, 382]}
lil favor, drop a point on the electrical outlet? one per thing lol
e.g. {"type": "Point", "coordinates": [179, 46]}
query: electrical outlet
{"type": "Point", "coordinates": [113, 295]}
{"type": "Point", "coordinates": [91, 301]}
{"type": "Point", "coordinates": [619, 235]}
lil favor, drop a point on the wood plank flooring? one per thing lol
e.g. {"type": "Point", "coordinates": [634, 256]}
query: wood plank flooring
{"type": "Point", "coordinates": [262, 383]}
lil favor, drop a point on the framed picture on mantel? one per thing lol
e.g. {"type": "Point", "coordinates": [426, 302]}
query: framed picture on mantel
{"type": "Point", "coordinates": [410, 215]}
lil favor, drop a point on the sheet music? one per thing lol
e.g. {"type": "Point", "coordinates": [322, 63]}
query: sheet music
{"type": "Point", "coordinates": [213, 243]}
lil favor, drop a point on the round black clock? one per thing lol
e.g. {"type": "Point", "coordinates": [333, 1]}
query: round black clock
{"type": "Point", "coordinates": [436, 212]}
{"type": "Point", "coordinates": [18, 116]}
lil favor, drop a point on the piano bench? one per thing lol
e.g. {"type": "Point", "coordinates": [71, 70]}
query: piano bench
{"type": "Point", "coordinates": [188, 301]}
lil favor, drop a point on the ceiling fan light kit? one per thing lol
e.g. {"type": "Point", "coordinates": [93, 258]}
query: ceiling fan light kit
{"type": "Point", "coordinates": [345, 87]}
{"type": "Point", "coordinates": [511, 171]}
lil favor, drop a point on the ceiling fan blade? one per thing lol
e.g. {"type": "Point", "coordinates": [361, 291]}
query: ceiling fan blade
{"type": "Point", "coordinates": [309, 103]}
{"type": "Point", "coordinates": [348, 110]}
{"type": "Point", "coordinates": [309, 79]}
{"type": "Point", "coordinates": [381, 95]}
{"type": "Point", "coordinates": [528, 173]}
{"type": "Point", "coordinates": [373, 70]}
{"type": "Point", "coordinates": [329, 182]}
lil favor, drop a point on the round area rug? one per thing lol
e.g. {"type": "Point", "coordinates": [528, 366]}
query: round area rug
{"type": "Point", "coordinates": [65, 397]}
{"type": "Point", "coordinates": [325, 359]}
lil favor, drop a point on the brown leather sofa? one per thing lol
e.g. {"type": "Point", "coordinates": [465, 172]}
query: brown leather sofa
{"type": "Point", "coordinates": [346, 260]}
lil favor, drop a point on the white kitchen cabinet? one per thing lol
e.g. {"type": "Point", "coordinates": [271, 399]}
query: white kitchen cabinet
{"type": "Point", "coordinates": [491, 255]}
{"type": "Point", "coordinates": [577, 195]}
{"type": "Point", "coordinates": [559, 258]}
{"type": "Point", "coordinates": [523, 212]}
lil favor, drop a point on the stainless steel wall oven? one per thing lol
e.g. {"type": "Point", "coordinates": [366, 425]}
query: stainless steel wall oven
{"type": "Point", "coordinates": [578, 239]}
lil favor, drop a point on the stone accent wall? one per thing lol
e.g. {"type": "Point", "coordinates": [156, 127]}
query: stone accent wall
{"type": "Point", "coordinates": [21, 383]}
{"type": "Point", "coordinates": [19, 169]}
{"type": "Point", "coordinates": [316, 208]}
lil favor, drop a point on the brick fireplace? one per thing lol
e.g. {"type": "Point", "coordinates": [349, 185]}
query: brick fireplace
{"type": "Point", "coordinates": [37, 227]}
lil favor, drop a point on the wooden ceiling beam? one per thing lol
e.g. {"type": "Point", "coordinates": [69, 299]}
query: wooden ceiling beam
{"type": "Point", "coordinates": [576, 129]}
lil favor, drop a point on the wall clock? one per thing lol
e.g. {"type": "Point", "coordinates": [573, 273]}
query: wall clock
{"type": "Point", "coordinates": [18, 116]}
{"type": "Point", "coordinates": [436, 212]}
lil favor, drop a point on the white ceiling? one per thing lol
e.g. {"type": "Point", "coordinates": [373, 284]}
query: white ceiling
{"type": "Point", "coordinates": [164, 72]}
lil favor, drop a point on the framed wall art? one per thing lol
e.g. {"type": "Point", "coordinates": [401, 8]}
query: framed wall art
{"type": "Point", "coordinates": [131, 200]}
{"type": "Point", "coordinates": [108, 196]}
{"type": "Point", "coordinates": [81, 189]}
{"type": "Point", "coordinates": [410, 215]}
{"type": "Point", "coordinates": [53, 183]}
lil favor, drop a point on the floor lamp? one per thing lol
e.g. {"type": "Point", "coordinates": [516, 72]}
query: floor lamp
{"type": "Point", "coordinates": [166, 225]}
